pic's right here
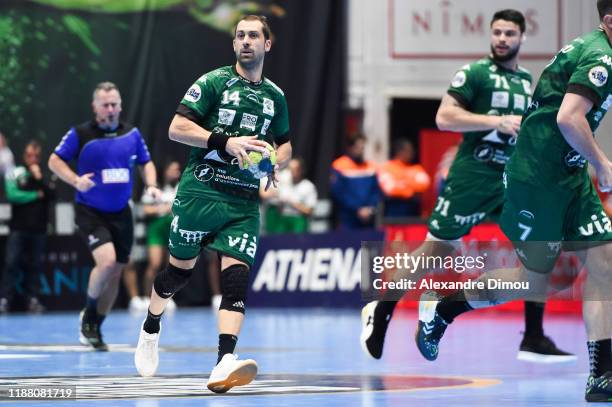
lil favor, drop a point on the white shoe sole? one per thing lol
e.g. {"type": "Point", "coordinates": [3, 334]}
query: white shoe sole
{"type": "Point", "coordinates": [532, 357]}
{"type": "Point", "coordinates": [242, 375]}
{"type": "Point", "coordinates": [366, 331]}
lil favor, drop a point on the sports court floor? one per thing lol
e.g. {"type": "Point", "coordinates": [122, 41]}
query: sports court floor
{"type": "Point", "coordinates": [305, 357]}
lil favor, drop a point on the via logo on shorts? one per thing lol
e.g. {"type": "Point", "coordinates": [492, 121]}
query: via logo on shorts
{"type": "Point", "coordinates": [600, 226]}
{"type": "Point", "coordinates": [245, 246]}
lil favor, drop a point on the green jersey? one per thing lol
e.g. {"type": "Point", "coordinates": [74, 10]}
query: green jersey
{"type": "Point", "coordinates": [543, 156]}
{"type": "Point", "coordinates": [222, 100]}
{"type": "Point", "coordinates": [484, 87]}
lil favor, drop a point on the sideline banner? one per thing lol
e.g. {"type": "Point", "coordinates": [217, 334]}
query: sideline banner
{"type": "Point", "coordinates": [314, 270]}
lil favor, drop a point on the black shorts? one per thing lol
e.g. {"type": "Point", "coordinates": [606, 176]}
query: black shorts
{"type": "Point", "coordinates": [98, 228]}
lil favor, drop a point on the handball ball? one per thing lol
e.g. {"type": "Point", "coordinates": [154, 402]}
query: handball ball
{"type": "Point", "coordinates": [263, 163]}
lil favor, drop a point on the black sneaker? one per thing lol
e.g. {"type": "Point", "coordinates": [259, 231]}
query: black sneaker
{"type": "Point", "coordinates": [90, 334]}
{"type": "Point", "coordinates": [541, 349]}
{"type": "Point", "coordinates": [431, 326]}
{"type": "Point", "coordinates": [373, 330]}
{"type": "Point", "coordinates": [599, 389]}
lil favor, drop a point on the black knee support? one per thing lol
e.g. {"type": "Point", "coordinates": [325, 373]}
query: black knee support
{"type": "Point", "coordinates": [234, 287]}
{"type": "Point", "coordinates": [171, 280]}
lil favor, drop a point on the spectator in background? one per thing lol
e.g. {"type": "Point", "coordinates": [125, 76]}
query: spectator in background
{"type": "Point", "coordinates": [402, 182]}
{"type": "Point", "coordinates": [7, 162]}
{"type": "Point", "coordinates": [354, 187]}
{"type": "Point", "coordinates": [292, 203]}
{"type": "Point", "coordinates": [29, 197]}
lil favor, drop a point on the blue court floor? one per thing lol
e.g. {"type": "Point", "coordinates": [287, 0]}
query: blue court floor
{"type": "Point", "coordinates": [305, 357]}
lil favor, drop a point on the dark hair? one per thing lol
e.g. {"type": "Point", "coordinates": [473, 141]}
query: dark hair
{"type": "Point", "coordinates": [264, 22]}
{"type": "Point", "coordinates": [105, 86]}
{"type": "Point", "coordinates": [399, 144]}
{"type": "Point", "coordinates": [510, 15]}
{"type": "Point", "coordinates": [353, 139]}
{"type": "Point", "coordinates": [33, 144]}
{"type": "Point", "coordinates": [604, 7]}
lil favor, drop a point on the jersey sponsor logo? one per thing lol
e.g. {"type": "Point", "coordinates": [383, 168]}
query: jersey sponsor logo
{"type": "Point", "coordinates": [243, 244]}
{"type": "Point", "coordinates": [526, 214]}
{"type": "Point", "coordinates": [249, 121]}
{"type": "Point", "coordinates": [500, 99]}
{"type": "Point", "coordinates": [606, 60]}
{"type": "Point", "coordinates": [231, 82]}
{"type": "Point", "coordinates": [600, 225]}
{"type": "Point", "coordinates": [471, 219]}
{"type": "Point", "coordinates": [192, 236]}
{"type": "Point", "coordinates": [519, 102]}
{"type": "Point", "coordinates": [194, 93]}
{"type": "Point", "coordinates": [574, 159]}
{"type": "Point", "coordinates": [268, 106]}
{"type": "Point", "coordinates": [203, 172]}
{"type": "Point", "coordinates": [459, 79]}
{"type": "Point", "coordinates": [598, 76]}
{"type": "Point", "coordinates": [116, 176]}
{"type": "Point", "coordinates": [484, 153]}
{"type": "Point", "coordinates": [226, 116]}
{"type": "Point", "coordinates": [526, 86]}
{"type": "Point", "coordinates": [265, 125]}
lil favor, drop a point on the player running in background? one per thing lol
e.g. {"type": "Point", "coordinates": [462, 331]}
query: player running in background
{"type": "Point", "coordinates": [550, 200]}
{"type": "Point", "coordinates": [485, 101]}
{"type": "Point", "coordinates": [106, 151]}
{"type": "Point", "coordinates": [224, 114]}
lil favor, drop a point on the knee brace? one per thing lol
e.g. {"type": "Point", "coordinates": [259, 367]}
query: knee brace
{"type": "Point", "coordinates": [234, 287]}
{"type": "Point", "coordinates": [171, 280]}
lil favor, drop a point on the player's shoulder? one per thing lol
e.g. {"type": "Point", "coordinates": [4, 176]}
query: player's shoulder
{"type": "Point", "coordinates": [594, 46]}
{"type": "Point", "coordinates": [220, 74]}
{"type": "Point", "coordinates": [127, 128]}
{"type": "Point", "coordinates": [521, 70]}
{"type": "Point", "coordinates": [274, 87]}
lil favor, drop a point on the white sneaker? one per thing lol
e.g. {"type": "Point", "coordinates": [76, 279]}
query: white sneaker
{"type": "Point", "coordinates": [215, 303]}
{"type": "Point", "coordinates": [146, 357]}
{"type": "Point", "coordinates": [231, 372]}
{"type": "Point", "coordinates": [171, 306]}
{"type": "Point", "coordinates": [135, 305]}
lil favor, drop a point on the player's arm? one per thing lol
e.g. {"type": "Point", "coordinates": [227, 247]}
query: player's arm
{"type": "Point", "coordinates": [60, 168]}
{"type": "Point", "coordinates": [453, 116]}
{"type": "Point", "coordinates": [575, 128]}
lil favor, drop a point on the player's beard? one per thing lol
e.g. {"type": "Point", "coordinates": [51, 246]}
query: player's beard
{"type": "Point", "coordinates": [504, 58]}
{"type": "Point", "coordinates": [249, 63]}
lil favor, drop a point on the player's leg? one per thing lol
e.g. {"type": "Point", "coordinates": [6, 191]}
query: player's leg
{"type": "Point", "coordinates": [32, 254]}
{"type": "Point", "coordinates": [464, 202]}
{"type": "Point", "coordinates": [155, 255]}
{"type": "Point", "coordinates": [214, 277]}
{"type": "Point", "coordinates": [13, 264]}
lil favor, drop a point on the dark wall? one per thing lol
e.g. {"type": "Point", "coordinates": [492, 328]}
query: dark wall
{"type": "Point", "coordinates": [52, 59]}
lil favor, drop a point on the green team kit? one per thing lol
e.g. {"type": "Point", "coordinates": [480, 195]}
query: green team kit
{"type": "Point", "coordinates": [217, 203]}
{"type": "Point", "coordinates": [550, 196]}
{"type": "Point", "coordinates": [474, 188]}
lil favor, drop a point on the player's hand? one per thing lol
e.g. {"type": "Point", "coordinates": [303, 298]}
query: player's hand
{"type": "Point", "coordinates": [509, 124]}
{"type": "Point", "coordinates": [35, 171]}
{"type": "Point", "coordinates": [84, 182]}
{"type": "Point", "coordinates": [239, 147]}
{"type": "Point", "coordinates": [272, 178]}
{"type": "Point", "coordinates": [154, 193]}
{"type": "Point", "coordinates": [604, 178]}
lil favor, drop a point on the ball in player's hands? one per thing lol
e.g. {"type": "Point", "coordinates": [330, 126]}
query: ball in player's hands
{"type": "Point", "coordinates": [263, 163]}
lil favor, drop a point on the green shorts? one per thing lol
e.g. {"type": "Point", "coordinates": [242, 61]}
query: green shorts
{"type": "Point", "coordinates": [228, 228]}
{"type": "Point", "coordinates": [538, 218]}
{"type": "Point", "coordinates": [466, 201]}
{"type": "Point", "coordinates": [158, 231]}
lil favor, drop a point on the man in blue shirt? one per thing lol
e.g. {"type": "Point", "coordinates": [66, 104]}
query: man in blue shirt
{"type": "Point", "coordinates": [106, 151]}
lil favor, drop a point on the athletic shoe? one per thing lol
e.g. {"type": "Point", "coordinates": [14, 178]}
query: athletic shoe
{"type": "Point", "coordinates": [4, 306]}
{"type": "Point", "coordinates": [599, 389]}
{"type": "Point", "coordinates": [171, 306]}
{"type": "Point", "coordinates": [431, 326]}
{"type": "Point", "coordinates": [146, 357]}
{"type": "Point", "coordinates": [541, 349]}
{"type": "Point", "coordinates": [90, 334]}
{"type": "Point", "coordinates": [35, 306]}
{"type": "Point", "coordinates": [231, 372]}
{"type": "Point", "coordinates": [373, 330]}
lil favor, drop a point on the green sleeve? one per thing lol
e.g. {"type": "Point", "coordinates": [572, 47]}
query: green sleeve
{"type": "Point", "coordinates": [280, 123]}
{"type": "Point", "coordinates": [591, 78]}
{"type": "Point", "coordinates": [13, 193]}
{"type": "Point", "coordinates": [464, 86]}
{"type": "Point", "coordinates": [201, 96]}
